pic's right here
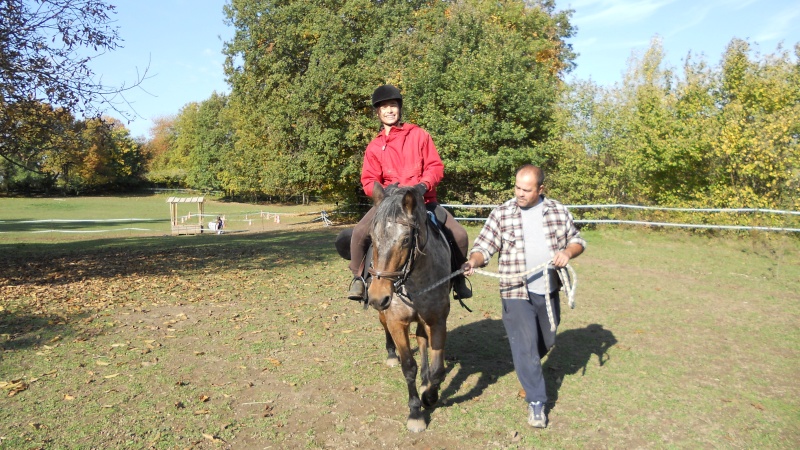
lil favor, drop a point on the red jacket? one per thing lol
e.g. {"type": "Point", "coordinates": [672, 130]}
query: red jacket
{"type": "Point", "coordinates": [407, 156]}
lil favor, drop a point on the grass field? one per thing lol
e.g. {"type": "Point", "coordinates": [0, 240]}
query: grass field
{"type": "Point", "coordinates": [45, 220]}
{"type": "Point", "coordinates": [245, 341]}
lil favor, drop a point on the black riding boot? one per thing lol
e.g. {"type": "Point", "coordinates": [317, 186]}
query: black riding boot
{"type": "Point", "coordinates": [460, 288]}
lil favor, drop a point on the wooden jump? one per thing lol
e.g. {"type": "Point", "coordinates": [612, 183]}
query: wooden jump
{"type": "Point", "coordinates": [180, 225]}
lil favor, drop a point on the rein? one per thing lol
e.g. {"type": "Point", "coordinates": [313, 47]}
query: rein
{"type": "Point", "coordinates": [567, 275]}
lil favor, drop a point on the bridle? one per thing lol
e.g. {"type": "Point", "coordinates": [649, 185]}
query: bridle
{"type": "Point", "coordinates": [399, 277]}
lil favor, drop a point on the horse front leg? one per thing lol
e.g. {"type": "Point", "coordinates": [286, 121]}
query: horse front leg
{"type": "Point", "coordinates": [424, 371]}
{"type": "Point", "coordinates": [399, 332]}
{"type": "Point", "coordinates": [437, 334]}
{"type": "Point", "coordinates": [391, 348]}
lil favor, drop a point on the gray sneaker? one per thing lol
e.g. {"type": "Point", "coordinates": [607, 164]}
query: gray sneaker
{"type": "Point", "coordinates": [536, 416]}
{"type": "Point", "coordinates": [357, 289]}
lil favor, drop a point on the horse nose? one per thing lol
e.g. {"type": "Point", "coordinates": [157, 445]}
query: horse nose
{"type": "Point", "coordinates": [379, 294]}
{"type": "Point", "coordinates": [381, 302]}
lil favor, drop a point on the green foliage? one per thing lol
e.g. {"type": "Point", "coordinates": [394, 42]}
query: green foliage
{"type": "Point", "coordinates": [483, 81]}
{"type": "Point", "coordinates": [53, 150]}
{"type": "Point", "coordinates": [480, 76]}
{"type": "Point", "coordinates": [719, 137]}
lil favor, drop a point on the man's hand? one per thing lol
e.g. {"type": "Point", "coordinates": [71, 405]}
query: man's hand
{"type": "Point", "coordinates": [562, 257]}
{"type": "Point", "coordinates": [475, 260]}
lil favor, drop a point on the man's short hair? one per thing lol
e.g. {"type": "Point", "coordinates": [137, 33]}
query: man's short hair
{"type": "Point", "coordinates": [537, 172]}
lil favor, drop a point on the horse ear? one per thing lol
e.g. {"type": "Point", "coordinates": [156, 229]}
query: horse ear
{"type": "Point", "coordinates": [377, 193]}
{"type": "Point", "coordinates": [409, 202]}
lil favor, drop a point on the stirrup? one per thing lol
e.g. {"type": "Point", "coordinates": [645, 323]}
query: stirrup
{"type": "Point", "coordinates": [355, 292]}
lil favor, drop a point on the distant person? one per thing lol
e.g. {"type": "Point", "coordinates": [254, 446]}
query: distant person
{"type": "Point", "coordinates": [527, 231]}
{"type": "Point", "coordinates": [219, 225]}
{"type": "Point", "coordinates": [402, 153]}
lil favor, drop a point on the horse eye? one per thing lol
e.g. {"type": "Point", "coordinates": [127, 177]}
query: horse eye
{"type": "Point", "coordinates": [406, 241]}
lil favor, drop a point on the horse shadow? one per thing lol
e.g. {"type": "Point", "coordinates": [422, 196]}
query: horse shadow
{"type": "Point", "coordinates": [481, 348]}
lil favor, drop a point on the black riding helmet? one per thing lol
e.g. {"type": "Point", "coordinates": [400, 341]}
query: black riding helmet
{"type": "Point", "coordinates": [386, 92]}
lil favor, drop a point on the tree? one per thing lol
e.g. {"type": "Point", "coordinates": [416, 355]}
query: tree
{"type": "Point", "coordinates": [484, 77]}
{"type": "Point", "coordinates": [723, 136]}
{"type": "Point", "coordinates": [163, 165]}
{"type": "Point", "coordinates": [47, 142]}
{"type": "Point", "coordinates": [204, 135]}
{"type": "Point", "coordinates": [481, 76]}
{"type": "Point", "coordinates": [46, 47]}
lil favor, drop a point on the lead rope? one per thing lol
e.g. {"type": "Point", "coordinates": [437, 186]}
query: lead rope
{"type": "Point", "coordinates": [567, 275]}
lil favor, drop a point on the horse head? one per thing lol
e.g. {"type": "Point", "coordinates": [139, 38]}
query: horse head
{"type": "Point", "coordinates": [398, 232]}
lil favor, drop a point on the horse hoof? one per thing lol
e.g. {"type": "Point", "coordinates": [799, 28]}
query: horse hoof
{"type": "Point", "coordinates": [392, 362]}
{"type": "Point", "coordinates": [416, 425]}
{"type": "Point", "coordinates": [430, 397]}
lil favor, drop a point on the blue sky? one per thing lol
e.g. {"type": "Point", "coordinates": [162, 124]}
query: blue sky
{"type": "Point", "coordinates": [181, 41]}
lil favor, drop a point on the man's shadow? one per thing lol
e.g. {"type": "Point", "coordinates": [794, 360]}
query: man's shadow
{"type": "Point", "coordinates": [481, 348]}
{"type": "Point", "coordinates": [572, 353]}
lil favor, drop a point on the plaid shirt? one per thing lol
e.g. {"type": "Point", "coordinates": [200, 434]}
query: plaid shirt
{"type": "Point", "coordinates": [503, 232]}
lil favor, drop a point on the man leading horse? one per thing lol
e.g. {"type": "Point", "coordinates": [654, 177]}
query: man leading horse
{"type": "Point", "coordinates": [402, 153]}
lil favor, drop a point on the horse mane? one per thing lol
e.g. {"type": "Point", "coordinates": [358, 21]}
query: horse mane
{"type": "Point", "coordinates": [392, 206]}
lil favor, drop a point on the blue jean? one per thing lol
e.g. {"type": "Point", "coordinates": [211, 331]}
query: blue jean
{"type": "Point", "coordinates": [529, 335]}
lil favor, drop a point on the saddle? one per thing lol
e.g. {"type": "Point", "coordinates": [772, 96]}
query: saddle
{"type": "Point", "coordinates": [437, 218]}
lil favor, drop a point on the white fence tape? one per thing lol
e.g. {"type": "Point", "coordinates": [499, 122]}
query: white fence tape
{"type": "Point", "coordinates": [657, 224]}
{"type": "Point", "coordinates": [249, 216]}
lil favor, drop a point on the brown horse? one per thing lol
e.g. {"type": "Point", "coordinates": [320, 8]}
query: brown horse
{"type": "Point", "coordinates": [410, 255]}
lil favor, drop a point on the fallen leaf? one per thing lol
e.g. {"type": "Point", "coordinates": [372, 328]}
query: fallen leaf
{"type": "Point", "coordinates": [68, 397]}
{"type": "Point", "coordinates": [13, 387]}
{"type": "Point", "coordinates": [102, 363]}
{"type": "Point", "coordinates": [113, 375]}
{"type": "Point", "coordinates": [201, 412]}
{"type": "Point", "coordinates": [274, 361]}
{"type": "Point", "coordinates": [212, 438]}
{"type": "Point", "coordinates": [204, 398]}
{"type": "Point", "coordinates": [758, 406]}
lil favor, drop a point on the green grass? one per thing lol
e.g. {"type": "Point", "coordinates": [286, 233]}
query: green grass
{"type": "Point", "coordinates": [78, 219]}
{"type": "Point", "coordinates": [245, 340]}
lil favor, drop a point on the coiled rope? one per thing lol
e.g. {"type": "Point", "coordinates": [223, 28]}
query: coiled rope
{"type": "Point", "coordinates": [567, 275]}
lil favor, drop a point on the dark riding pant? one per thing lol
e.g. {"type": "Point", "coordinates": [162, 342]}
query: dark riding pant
{"type": "Point", "coordinates": [359, 242]}
{"type": "Point", "coordinates": [529, 335]}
